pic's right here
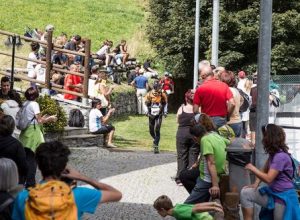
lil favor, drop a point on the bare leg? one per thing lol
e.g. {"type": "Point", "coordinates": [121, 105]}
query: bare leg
{"type": "Point", "coordinates": [110, 137]}
{"type": "Point", "coordinates": [247, 213]}
{"type": "Point", "coordinates": [253, 137]}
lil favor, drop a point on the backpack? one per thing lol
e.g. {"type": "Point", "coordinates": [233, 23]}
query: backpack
{"type": "Point", "coordinates": [245, 101]}
{"type": "Point", "coordinates": [6, 206]}
{"type": "Point", "coordinates": [21, 120]}
{"type": "Point", "coordinates": [76, 118]}
{"type": "Point", "coordinates": [51, 200]}
{"type": "Point", "coordinates": [296, 173]}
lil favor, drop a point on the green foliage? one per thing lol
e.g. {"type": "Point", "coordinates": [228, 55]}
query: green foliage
{"type": "Point", "coordinates": [51, 107]}
{"type": "Point", "coordinates": [171, 32]}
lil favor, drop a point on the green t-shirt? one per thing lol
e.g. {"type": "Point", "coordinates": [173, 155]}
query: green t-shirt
{"type": "Point", "coordinates": [184, 212]}
{"type": "Point", "coordinates": [214, 144]}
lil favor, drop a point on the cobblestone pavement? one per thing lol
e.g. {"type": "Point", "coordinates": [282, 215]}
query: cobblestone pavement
{"type": "Point", "coordinates": [140, 176]}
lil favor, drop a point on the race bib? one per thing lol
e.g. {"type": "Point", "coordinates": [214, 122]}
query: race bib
{"type": "Point", "coordinates": [155, 109]}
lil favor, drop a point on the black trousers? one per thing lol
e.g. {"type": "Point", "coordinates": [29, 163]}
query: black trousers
{"type": "Point", "coordinates": [188, 178]}
{"type": "Point", "coordinates": [154, 128]}
{"type": "Point", "coordinates": [31, 164]}
{"type": "Point", "coordinates": [187, 153]}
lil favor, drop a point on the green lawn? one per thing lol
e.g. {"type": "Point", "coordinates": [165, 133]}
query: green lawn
{"type": "Point", "coordinates": [94, 19]}
{"type": "Point", "coordinates": [133, 132]}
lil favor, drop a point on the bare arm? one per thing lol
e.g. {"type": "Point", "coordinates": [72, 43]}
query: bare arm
{"type": "Point", "coordinates": [109, 193]}
{"type": "Point", "coordinates": [196, 109]}
{"type": "Point", "coordinates": [207, 206]}
{"type": "Point", "coordinates": [214, 190]}
{"type": "Point", "coordinates": [230, 106]}
{"type": "Point", "coordinates": [265, 176]}
{"type": "Point", "coordinates": [107, 116]}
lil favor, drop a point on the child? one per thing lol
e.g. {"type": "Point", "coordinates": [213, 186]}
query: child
{"type": "Point", "coordinates": [199, 211]}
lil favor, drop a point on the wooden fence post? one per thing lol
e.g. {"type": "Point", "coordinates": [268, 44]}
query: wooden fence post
{"type": "Point", "coordinates": [48, 61]}
{"type": "Point", "coordinates": [87, 51]}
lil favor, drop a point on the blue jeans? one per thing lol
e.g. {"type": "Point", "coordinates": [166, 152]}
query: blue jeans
{"type": "Point", "coordinates": [237, 128]}
{"type": "Point", "coordinates": [218, 121]}
{"type": "Point", "coordinates": [200, 192]}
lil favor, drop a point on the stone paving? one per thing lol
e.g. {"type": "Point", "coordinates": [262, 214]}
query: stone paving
{"type": "Point", "coordinates": [140, 176]}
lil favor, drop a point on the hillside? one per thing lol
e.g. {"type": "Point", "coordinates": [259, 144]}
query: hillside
{"type": "Point", "coordinates": [97, 20]}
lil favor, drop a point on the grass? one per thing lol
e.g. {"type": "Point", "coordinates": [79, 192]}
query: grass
{"type": "Point", "coordinates": [133, 132]}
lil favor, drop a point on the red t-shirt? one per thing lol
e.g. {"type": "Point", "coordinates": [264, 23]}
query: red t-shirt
{"type": "Point", "coordinates": [71, 80]}
{"type": "Point", "coordinates": [212, 97]}
{"type": "Point", "coordinates": [167, 84]}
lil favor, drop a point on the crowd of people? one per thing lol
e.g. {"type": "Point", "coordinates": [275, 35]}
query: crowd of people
{"type": "Point", "coordinates": [209, 121]}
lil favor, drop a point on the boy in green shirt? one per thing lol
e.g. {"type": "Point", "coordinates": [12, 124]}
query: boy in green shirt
{"type": "Point", "coordinates": [164, 207]}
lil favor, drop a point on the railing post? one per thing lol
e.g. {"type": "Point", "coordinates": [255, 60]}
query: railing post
{"type": "Point", "coordinates": [87, 51]}
{"type": "Point", "coordinates": [48, 61]}
{"type": "Point", "coordinates": [12, 71]}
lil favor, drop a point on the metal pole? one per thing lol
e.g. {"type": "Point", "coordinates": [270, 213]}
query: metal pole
{"type": "Point", "coordinates": [215, 33]}
{"type": "Point", "coordinates": [12, 71]}
{"type": "Point", "coordinates": [196, 50]}
{"type": "Point", "coordinates": [264, 64]}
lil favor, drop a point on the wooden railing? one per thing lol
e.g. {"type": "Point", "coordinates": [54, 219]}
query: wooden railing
{"type": "Point", "coordinates": [50, 66]}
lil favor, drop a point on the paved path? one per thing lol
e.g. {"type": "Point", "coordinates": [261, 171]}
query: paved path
{"type": "Point", "coordinates": [140, 176]}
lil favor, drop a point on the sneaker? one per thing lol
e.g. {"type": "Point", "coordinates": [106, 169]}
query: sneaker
{"type": "Point", "coordinates": [156, 150]}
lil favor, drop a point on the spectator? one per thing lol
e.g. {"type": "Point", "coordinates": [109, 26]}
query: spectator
{"type": "Point", "coordinates": [279, 198]}
{"type": "Point", "coordinates": [33, 55]}
{"type": "Point", "coordinates": [252, 115]}
{"type": "Point", "coordinates": [245, 115]}
{"type": "Point", "coordinates": [57, 56]}
{"type": "Point", "coordinates": [11, 148]}
{"type": "Point", "coordinates": [217, 72]}
{"type": "Point", "coordinates": [187, 148]}
{"type": "Point", "coordinates": [134, 73]}
{"type": "Point", "coordinates": [73, 45]}
{"type": "Point", "coordinates": [103, 91]}
{"type": "Point", "coordinates": [188, 177]}
{"type": "Point", "coordinates": [148, 71]}
{"type": "Point", "coordinates": [167, 83]}
{"type": "Point", "coordinates": [48, 28]}
{"type": "Point", "coordinates": [52, 159]}
{"type": "Point", "coordinates": [234, 120]}
{"type": "Point", "coordinates": [104, 53]}
{"type": "Point", "coordinates": [213, 97]}
{"type": "Point", "coordinates": [164, 207]}
{"type": "Point", "coordinates": [8, 187]}
{"type": "Point", "coordinates": [242, 77]}
{"type": "Point", "coordinates": [212, 164]}
{"type": "Point", "coordinates": [98, 124]}
{"type": "Point", "coordinates": [141, 84]}
{"type": "Point", "coordinates": [157, 106]}
{"type": "Point", "coordinates": [73, 83]}
{"type": "Point", "coordinates": [121, 53]}
{"type": "Point", "coordinates": [32, 136]}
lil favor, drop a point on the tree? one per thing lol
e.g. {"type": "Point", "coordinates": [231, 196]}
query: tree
{"type": "Point", "coordinates": [171, 32]}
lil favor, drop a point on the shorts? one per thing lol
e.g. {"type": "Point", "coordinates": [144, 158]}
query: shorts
{"type": "Point", "coordinates": [101, 57]}
{"type": "Point", "coordinates": [105, 129]}
{"type": "Point", "coordinates": [252, 121]}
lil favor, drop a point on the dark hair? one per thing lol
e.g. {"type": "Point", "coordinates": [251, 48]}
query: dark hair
{"type": "Point", "coordinates": [34, 46]}
{"type": "Point", "coordinates": [198, 130]}
{"type": "Point", "coordinates": [273, 139]}
{"type": "Point", "coordinates": [7, 125]}
{"type": "Point", "coordinates": [206, 122]}
{"type": "Point", "coordinates": [31, 94]}
{"type": "Point", "coordinates": [95, 102]}
{"type": "Point", "coordinates": [77, 37]}
{"type": "Point", "coordinates": [189, 96]}
{"type": "Point", "coordinates": [5, 79]}
{"type": "Point", "coordinates": [52, 158]}
{"type": "Point", "coordinates": [228, 78]}
{"type": "Point", "coordinates": [163, 202]}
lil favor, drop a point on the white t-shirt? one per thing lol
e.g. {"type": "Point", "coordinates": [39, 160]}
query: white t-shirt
{"type": "Point", "coordinates": [40, 72]}
{"type": "Point", "coordinates": [95, 120]}
{"type": "Point", "coordinates": [103, 50]}
{"type": "Point", "coordinates": [31, 65]}
{"type": "Point", "coordinates": [32, 109]}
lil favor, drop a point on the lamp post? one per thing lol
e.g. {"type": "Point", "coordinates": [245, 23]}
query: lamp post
{"type": "Point", "coordinates": [196, 49]}
{"type": "Point", "coordinates": [13, 41]}
{"type": "Point", "coordinates": [215, 33]}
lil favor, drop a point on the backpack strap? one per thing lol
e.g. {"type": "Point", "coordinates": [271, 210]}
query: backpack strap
{"type": "Point", "coordinates": [294, 168]}
{"type": "Point", "coordinates": [6, 203]}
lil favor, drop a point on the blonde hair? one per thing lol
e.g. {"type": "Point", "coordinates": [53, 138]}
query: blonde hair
{"type": "Point", "coordinates": [248, 85]}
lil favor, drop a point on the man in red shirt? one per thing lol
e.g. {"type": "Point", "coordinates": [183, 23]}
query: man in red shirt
{"type": "Point", "coordinates": [167, 83]}
{"type": "Point", "coordinates": [213, 98]}
{"type": "Point", "coordinates": [73, 83]}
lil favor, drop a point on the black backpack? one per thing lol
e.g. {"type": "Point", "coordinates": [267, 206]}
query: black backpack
{"type": "Point", "coordinates": [245, 101]}
{"type": "Point", "coordinates": [6, 206]}
{"type": "Point", "coordinates": [76, 118]}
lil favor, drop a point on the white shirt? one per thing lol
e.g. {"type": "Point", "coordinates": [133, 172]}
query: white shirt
{"type": "Point", "coordinates": [31, 110]}
{"type": "Point", "coordinates": [31, 65]}
{"type": "Point", "coordinates": [40, 72]}
{"type": "Point", "coordinates": [103, 50]}
{"type": "Point", "coordinates": [95, 120]}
